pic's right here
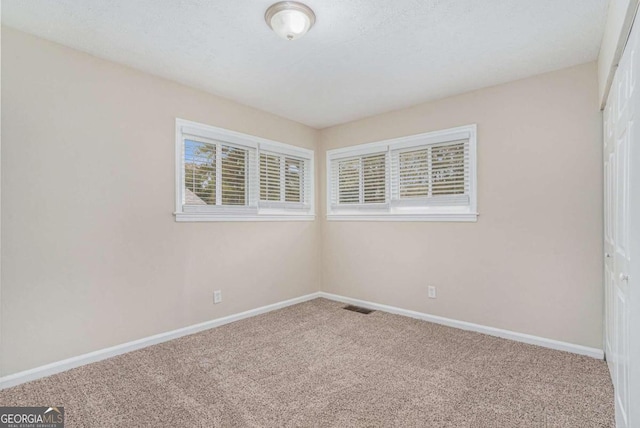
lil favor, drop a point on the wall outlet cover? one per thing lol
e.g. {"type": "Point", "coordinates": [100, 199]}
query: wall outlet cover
{"type": "Point", "coordinates": [217, 296]}
{"type": "Point", "coordinates": [432, 292]}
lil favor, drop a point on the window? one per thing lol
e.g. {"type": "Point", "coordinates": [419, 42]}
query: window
{"type": "Point", "coordinates": [429, 177]}
{"type": "Point", "coordinates": [224, 175]}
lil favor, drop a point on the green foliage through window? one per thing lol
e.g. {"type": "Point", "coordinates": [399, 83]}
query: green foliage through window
{"type": "Point", "coordinates": [201, 174]}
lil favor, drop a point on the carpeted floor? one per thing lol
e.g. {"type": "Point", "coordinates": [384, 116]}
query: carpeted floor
{"type": "Point", "coordinates": [315, 364]}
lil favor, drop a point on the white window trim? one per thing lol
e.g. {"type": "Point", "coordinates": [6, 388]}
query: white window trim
{"type": "Point", "coordinates": [242, 213]}
{"type": "Point", "coordinates": [407, 213]}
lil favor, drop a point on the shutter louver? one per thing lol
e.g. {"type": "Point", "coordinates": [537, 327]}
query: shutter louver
{"type": "Point", "coordinates": [269, 177]}
{"type": "Point", "coordinates": [349, 181]}
{"type": "Point", "coordinates": [414, 173]}
{"type": "Point", "coordinates": [374, 179]}
{"type": "Point", "coordinates": [437, 174]}
{"type": "Point", "coordinates": [449, 170]}
{"type": "Point", "coordinates": [294, 173]}
{"type": "Point", "coordinates": [234, 163]}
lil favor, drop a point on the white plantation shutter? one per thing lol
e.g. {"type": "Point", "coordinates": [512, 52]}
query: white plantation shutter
{"type": "Point", "coordinates": [436, 174]}
{"type": "Point", "coordinates": [359, 180]}
{"type": "Point", "coordinates": [285, 181]}
{"type": "Point", "coordinates": [422, 177]}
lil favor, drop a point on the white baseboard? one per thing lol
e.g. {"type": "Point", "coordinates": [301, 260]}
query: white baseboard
{"type": "Point", "coordinates": [492, 331]}
{"type": "Point", "coordinates": [92, 357]}
{"type": "Point", "coordinates": [102, 354]}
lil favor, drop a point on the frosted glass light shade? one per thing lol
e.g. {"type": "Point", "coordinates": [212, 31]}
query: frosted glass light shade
{"type": "Point", "coordinates": [290, 20]}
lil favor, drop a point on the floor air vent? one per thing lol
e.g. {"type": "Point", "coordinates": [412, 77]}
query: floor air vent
{"type": "Point", "coordinates": [358, 309]}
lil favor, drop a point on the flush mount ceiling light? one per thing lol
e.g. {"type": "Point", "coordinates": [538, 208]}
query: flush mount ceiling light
{"type": "Point", "coordinates": [290, 19]}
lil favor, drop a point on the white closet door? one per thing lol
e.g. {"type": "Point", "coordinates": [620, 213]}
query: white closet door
{"type": "Point", "coordinates": [620, 134]}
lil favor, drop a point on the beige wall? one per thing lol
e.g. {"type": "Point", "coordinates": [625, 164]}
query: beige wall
{"type": "Point", "coordinates": [92, 256]}
{"type": "Point", "coordinates": [533, 261]}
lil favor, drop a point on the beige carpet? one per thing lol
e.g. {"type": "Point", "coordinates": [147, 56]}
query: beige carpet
{"type": "Point", "coordinates": [315, 364]}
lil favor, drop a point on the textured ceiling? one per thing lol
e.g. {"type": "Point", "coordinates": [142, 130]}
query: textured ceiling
{"type": "Point", "coordinates": [362, 57]}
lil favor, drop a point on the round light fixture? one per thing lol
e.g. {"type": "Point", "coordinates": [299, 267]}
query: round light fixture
{"type": "Point", "coordinates": [290, 19]}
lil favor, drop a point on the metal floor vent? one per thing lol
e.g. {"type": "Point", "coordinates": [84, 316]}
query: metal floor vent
{"type": "Point", "coordinates": [358, 309]}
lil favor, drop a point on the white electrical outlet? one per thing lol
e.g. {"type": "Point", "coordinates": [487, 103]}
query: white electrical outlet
{"type": "Point", "coordinates": [432, 292]}
{"type": "Point", "coordinates": [217, 296]}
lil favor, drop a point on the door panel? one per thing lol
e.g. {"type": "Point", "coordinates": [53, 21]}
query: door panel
{"type": "Point", "coordinates": [622, 363]}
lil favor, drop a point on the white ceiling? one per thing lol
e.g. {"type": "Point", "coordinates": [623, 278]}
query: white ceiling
{"type": "Point", "coordinates": [363, 57]}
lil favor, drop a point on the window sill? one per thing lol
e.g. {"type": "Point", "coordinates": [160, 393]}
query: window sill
{"type": "Point", "coordinates": [199, 217]}
{"type": "Point", "coordinates": [442, 217]}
